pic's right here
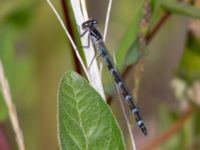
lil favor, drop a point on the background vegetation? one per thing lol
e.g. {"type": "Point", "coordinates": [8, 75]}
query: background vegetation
{"type": "Point", "coordinates": [162, 38]}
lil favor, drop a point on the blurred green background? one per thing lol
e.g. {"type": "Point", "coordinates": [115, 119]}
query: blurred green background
{"type": "Point", "coordinates": [36, 53]}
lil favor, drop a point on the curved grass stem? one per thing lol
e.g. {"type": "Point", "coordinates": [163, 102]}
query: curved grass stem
{"type": "Point", "coordinates": [107, 20]}
{"type": "Point", "coordinates": [93, 73]}
{"type": "Point", "coordinates": [69, 36]}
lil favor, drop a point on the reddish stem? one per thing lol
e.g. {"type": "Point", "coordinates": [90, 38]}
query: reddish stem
{"type": "Point", "coordinates": [70, 29]}
{"type": "Point", "coordinates": [157, 27]}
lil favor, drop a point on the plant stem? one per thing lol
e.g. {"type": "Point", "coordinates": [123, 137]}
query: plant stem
{"type": "Point", "coordinates": [148, 38]}
{"type": "Point", "coordinates": [157, 27]}
{"type": "Point", "coordinates": [107, 19]}
{"type": "Point", "coordinates": [127, 120]}
{"type": "Point", "coordinates": [5, 89]}
{"type": "Point", "coordinates": [93, 70]}
{"type": "Point", "coordinates": [69, 28]}
{"type": "Point", "coordinates": [69, 37]}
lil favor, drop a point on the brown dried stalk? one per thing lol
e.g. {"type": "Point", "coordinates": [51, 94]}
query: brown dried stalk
{"type": "Point", "coordinates": [4, 87]}
{"type": "Point", "coordinates": [144, 27]}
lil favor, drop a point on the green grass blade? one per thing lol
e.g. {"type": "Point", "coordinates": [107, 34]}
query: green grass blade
{"type": "Point", "coordinates": [129, 38]}
{"type": "Point", "coordinates": [76, 34]}
{"type": "Point", "coordinates": [181, 9]}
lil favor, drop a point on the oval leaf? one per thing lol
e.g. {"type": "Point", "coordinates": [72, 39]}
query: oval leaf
{"type": "Point", "coordinates": [85, 122]}
{"type": "Point", "coordinates": [189, 68]}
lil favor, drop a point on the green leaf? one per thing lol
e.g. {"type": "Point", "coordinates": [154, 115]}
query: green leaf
{"type": "Point", "coordinates": [76, 35]}
{"type": "Point", "coordinates": [85, 121]}
{"type": "Point", "coordinates": [129, 38]}
{"type": "Point", "coordinates": [19, 18]}
{"type": "Point", "coordinates": [189, 68]}
{"type": "Point", "coordinates": [197, 123]}
{"type": "Point", "coordinates": [154, 8]}
{"type": "Point", "coordinates": [133, 55]}
{"type": "Point", "coordinates": [155, 11]}
{"type": "Point", "coordinates": [7, 58]}
{"type": "Point", "coordinates": [181, 9]}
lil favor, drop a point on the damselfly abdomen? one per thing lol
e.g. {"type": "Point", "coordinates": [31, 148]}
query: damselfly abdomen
{"type": "Point", "coordinates": [97, 40]}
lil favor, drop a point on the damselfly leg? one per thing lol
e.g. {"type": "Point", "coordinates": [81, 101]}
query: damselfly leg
{"type": "Point", "coordinates": [88, 46]}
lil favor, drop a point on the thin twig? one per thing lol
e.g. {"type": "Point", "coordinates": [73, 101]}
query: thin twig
{"type": "Point", "coordinates": [144, 28]}
{"type": "Point", "coordinates": [107, 20]}
{"type": "Point", "coordinates": [69, 37]}
{"type": "Point", "coordinates": [170, 131]}
{"type": "Point", "coordinates": [149, 37]}
{"type": "Point", "coordinates": [4, 87]}
{"type": "Point", "coordinates": [93, 73]}
{"type": "Point", "coordinates": [157, 27]}
{"type": "Point", "coordinates": [125, 115]}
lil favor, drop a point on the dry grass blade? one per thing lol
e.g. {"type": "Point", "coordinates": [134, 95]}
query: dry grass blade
{"type": "Point", "coordinates": [93, 74]}
{"type": "Point", "coordinates": [126, 117]}
{"type": "Point", "coordinates": [84, 8]}
{"type": "Point", "coordinates": [127, 121]}
{"type": "Point", "coordinates": [4, 87]}
{"type": "Point", "coordinates": [107, 20]}
{"type": "Point", "coordinates": [93, 71]}
{"type": "Point", "coordinates": [69, 36]}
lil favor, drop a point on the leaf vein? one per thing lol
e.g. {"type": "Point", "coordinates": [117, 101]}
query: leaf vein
{"type": "Point", "coordinates": [79, 115]}
{"type": "Point", "coordinates": [73, 138]}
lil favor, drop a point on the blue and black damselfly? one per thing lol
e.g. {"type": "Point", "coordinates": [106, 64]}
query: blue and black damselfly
{"type": "Point", "coordinates": [89, 26]}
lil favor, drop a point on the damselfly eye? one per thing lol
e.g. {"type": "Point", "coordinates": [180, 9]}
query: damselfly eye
{"type": "Point", "coordinates": [85, 25]}
{"type": "Point", "coordinates": [89, 23]}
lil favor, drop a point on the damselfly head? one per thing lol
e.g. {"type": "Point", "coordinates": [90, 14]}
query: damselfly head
{"type": "Point", "coordinates": [89, 23]}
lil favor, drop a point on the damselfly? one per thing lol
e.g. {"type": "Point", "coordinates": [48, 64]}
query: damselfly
{"type": "Point", "coordinates": [97, 40]}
